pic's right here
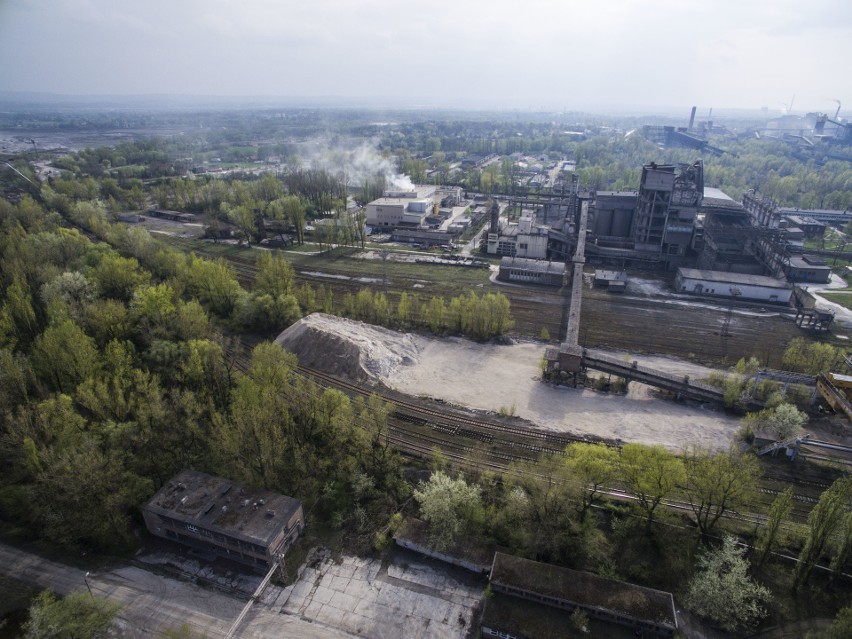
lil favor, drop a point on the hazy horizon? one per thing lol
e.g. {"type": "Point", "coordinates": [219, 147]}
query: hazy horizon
{"type": "Point", "coordinates": [619, 56]}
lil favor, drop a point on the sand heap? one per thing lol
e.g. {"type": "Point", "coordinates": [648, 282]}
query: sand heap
{"type": "Point", "coordinates": [344, 347]}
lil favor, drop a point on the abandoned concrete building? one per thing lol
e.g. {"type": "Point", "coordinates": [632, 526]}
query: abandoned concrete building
{"type": "Point", "coordinates": [247, 525]}
{"type": "Point", "coordinates": [528, 592]}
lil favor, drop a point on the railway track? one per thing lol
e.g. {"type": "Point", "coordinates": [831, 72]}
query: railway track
{"type": "Point", "coordinates": [417, 430]}
{"type": "Point", "coordinates": [454, 424]}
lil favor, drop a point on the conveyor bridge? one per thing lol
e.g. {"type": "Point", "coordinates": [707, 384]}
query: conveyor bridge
{"type": "Point", "coordinates": [681, 386]}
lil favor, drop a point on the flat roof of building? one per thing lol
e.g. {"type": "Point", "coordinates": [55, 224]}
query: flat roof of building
{"type": "Point", "coordinates": [610, 276]}
{"type": "Point", "coordinates": [800, 220]}
{"type": "Point", "coordinates": [533, 619]}
{"type": "Point", "coordinates": [217, 504]}
{"type": "Point", "coordinates": [714, 197]}
{"type": "Point", "coordinates": [537, 266]}
{"type": "Point", "coordinates": [787, 211]}
{"type": "Point", "coordinates": [630, 194]}
{"type": "Point", "coordinates": [418, 192]}
{"type": "Point", "coordinates": [422, 234]}
{"type": "Point", "coordinates": [585, 589]}
{"type": "Point", "coordinates": [393, 201]}
{"type": "Point", "coordinates": [725, 277]}
{"type": "Point", "coordinates": [809, 261]}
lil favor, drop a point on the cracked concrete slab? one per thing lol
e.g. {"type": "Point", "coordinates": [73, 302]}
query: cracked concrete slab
{"type": "Point", "coordinates": [405, 597]}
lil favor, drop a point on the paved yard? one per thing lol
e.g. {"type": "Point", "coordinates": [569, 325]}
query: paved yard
{"type": "Point", "coordinates": [402, 597]}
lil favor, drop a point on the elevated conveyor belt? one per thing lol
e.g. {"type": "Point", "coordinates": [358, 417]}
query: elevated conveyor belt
{"type": "Point", "coordinates": [835, 396]}
{"type": "Point", "coordinates": [681, 386]}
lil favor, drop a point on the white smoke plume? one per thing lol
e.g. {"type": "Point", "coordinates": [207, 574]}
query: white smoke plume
{"type": "Point", "coordinates": [358, 164]}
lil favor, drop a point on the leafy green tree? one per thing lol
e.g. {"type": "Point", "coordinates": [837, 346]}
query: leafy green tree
{"type": "Point", "coordinates": [255, 442]}
{"type": "Point", "coordinates": [213, 283]}
{"type": "Point", "coordinates": [434, 314]}
{"type": "Point", "coordinates": [294, 211]}
{"type": "Point", "coordinates": [403, 310]}
{"type": "Point", "coordinates": [723, 591]}
{"type": "Point", "coordinates": [783, 421]}
{"type": "Point", "coordinates": [824, 521]}
{"type": "Point", "coordinates": [76, 616]}
{"type": "Point", "coordinates": [595, 467]}
{"type": "Point", "coordinates": [377, 457]}
{"type": "Point", "coordinates": [106, 320]}
{"type": "Point", "coordinates": [842, 544]}
{"type": "Point", "coordinates": [268, 313]}
{"type": "Point", "coordinates": [718, 482]}
{"type": "Point", "coordinates": [840, 629]}
{"type": "Point", "coordinates": [18, 321]}
{"type": "Point", "coordinates": [275, 275]}
{"type": "Point", "coordinates": [118, 277]}
{"type": "Point", "coordinates": [63, 356]}
{"type": "Point", "coordinates": [84, 494]}
{"type": "Point", "coordinates": [152, 310]}
{"type": "Point", "coordinates": [15, 373]}
{"type": "Point", "coordinates": [541, 508]}
{"type": "Point", "coordinates": [810, 357]}
{"type": "Point", "coordinates": [768, 537]}
{"type": "Point", "coordinates": [245, 219]}
{"type": "Point", "coordinates": [66, 296]}
{"type": "Point", "coordinates": [650, 473]}
{"type": "Point", "coordinates": [451, 507]}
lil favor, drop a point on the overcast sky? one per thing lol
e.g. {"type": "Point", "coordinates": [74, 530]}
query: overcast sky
{"type": "Point", "coordinates": [573, 54]}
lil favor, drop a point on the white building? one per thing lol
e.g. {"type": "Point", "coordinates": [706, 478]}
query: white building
{"type": "Point", "coordinates": [525, 239]}
{"type": "Point", "coordinates": [401, 208]}
{"type": "Point", "coordinates": [733, 285]}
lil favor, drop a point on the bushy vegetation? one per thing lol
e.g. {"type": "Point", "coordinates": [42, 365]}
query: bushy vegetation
{"type": "Point", "coordinates": [113, 377]}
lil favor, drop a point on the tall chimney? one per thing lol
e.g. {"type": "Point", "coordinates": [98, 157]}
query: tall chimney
{"type": "Point", "coordinates": [495, 218]}
{"type": "Point", "coordinates": [692, 118]}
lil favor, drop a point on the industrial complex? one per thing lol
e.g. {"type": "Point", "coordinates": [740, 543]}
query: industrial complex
{"type": "Point", "coordinates": [719, 247]}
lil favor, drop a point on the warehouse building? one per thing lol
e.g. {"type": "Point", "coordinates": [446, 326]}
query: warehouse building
{"type": "Point", "coordinates": [517, 269]}
{"type": "Point", "coordinates": [721, 284]}
{"type": "Point", "coordinates": [251, 526]}
{"type": "Point", "coordinates": [807, 268]}
{"type": "Point", "coordinates": [402, 208]}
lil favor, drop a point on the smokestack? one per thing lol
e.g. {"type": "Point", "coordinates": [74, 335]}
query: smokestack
{"type": "Point", "coordinates": [495, 218]}
{"type": "Point", "coordinates": [692, 118]}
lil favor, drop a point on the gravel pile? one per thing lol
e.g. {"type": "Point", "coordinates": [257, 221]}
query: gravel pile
{"type": "Point", "coordinates": [344, 347]}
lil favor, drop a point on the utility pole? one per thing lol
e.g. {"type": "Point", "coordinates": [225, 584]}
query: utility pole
{"type": "Point", "coordinates": [88, 587]}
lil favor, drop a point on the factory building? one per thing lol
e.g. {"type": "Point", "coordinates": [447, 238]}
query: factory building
{"type": "Point", "coordinates": [517, 269]}
{"type": "Point", "coordinates": [613, 215]}
{"type": "Point", "coordinates": [402, 208]}
{"type": "Point", "coordinates": [719, 284]}
{"type": "Point", "coordinates": [726, 236]}
{"type": "Point", "coordinates": [807, 268]}
{"type": "Point", "coordinates": [669, 197]}
{"type": "Point", "coordinates": [247, 525]}
{"type": "Point", "coordinates": [525, 239]}
{"type": "Point", "coordinates": [825, 216]}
